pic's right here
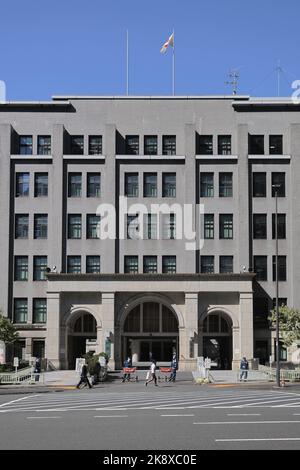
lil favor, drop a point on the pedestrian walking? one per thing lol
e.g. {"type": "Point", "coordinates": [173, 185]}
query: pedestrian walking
{"type": "Point", "coordinates": [127, 364]}
{"type": "Point", "coordinates": [152, 374]}
{"type": "Point", "coordinates": [83, 377]}
{"type": "Point", "coordinates": [174, 367]}
{"type": "Point", "coordinates": [37, 369]}
{"type": "Point", "coordinates": [244, 366]}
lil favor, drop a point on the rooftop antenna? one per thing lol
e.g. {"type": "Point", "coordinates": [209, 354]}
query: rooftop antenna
{"type": "Point", "coordinates": [279, 71]}
{"type": "Point", "coordinates": [233, 80]}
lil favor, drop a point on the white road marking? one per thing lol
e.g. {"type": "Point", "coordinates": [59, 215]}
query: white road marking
{"type": "Point", "coordinates": [167, 416]}
{"type": "Point", "coordinates": [19, 399]}
{"type": "Point", "coordinates": [111, 416]}
{"type": "Point", "coordinates": [248, 422]}
{"type": "Point", "coordinates": [43, 417]}
{"type": "Point", "coordinates": [243, 414]}
{"type": "Point", "coordinates": [262, 439]}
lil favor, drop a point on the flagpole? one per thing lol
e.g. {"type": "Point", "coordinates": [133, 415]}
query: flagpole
{"type": "Point", "coordinates": [127, 63]}
{"type": "Point", "coordinates": [173, 64]}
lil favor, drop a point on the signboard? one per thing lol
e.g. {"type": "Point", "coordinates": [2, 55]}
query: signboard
{"type": "Point", "coordinates": [108, 347]}
{"type": "Point", "coordinates": [200, 362]}
{"type": "Point", "coordinates": [207, 363]}
{"type": "Point", "coordinates": [16, 362]}
{"type": "Point", "coordinates": [2, 352]}
{"type": "Point", "coordinates": [80, 361]}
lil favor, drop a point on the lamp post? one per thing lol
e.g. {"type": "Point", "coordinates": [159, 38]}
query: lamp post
{"type": "Point", "coordinates": [276, 188]}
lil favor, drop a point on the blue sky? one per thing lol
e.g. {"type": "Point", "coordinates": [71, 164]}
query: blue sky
{"type": "Point", "coordinates": [78, 47]}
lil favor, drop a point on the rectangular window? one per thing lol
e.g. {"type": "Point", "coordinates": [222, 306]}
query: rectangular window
{"type": "Point", "coordinates": [44, 145]}
{"type": "Point", "coordinates": [256, 145]}
{"type": "Point", "coordinates": [95, 145]}
{"type": "Point", "coordinates": [93, 264]}
{"type": "Point", "coordinates": [169, 264]}
{"type": "Point", "coordinates": [275, 145]}
{"type": "Point", "coordinates": [207, 264]}
{"type": "Point", "coordinates": [40, 184]}
{"type": "Point", "coordinates": [93, 185]}
{"type": "Point", "coordinates": [131, 264]}
{"type": "Point", "coordinates": [261, 268]}
{"type": "Point", "coordinates": [20, 310]}
{"type": "Point", "coordinates": [74, 264]}
{"type": "Point", "coordinates": [150, 145]}
{"type": "Point", "coordinates": [21, 225]}
{"type": "Point", "coordinates": [225, 184]}
{"type": "Point", "coordinates": [261, 312]}
{"type": "Point", "coordinates": [39, 268]}
{"type": "Point", "coordinates": [132, 226]}
{"type": "Point", "coordinates": [226, 226]}
{"type": "Point", "coordinates": [169, 144]}
{"type": "Point", "coordinates": [74, 185]}
{"type": "Point", "coordinates": [204, 145]}
{"type": "Point", "coordinates": [226, 264]}
{"type": "Point", "coordinates": [39, 314]}
{"type": "Point", "coordinates": [22, 184]}
{"type": "Point", "coordinates": [224, 144]}
{"type": "Point", "coordinates": [278, 184]}
{"type": "Point", "coordinates": [169, 185]}
{"type": "Point", "coordinates": [260, 226]}
{"type": "Point", "coordinates": [206, 185]}
{"type": "Point", "coordinates": [76, 144]}
{"type": "Point", "coordinates": [150, 184]}
{"type": "Point", "coordinates": [21, 268]}
{"type": "Point", "coordinates": [132, 144]}
{"type": "Point", "coordinates": [281, 226]}
{"type": "Point", "coordinates": [150, 226]}
{"type": "Point", "coordinates": [259, 184]}
{"type": "Point", "coordinates": [25, 144]}
{"type": "Point", "coordinates": [150, 264]}
{"type": "Point", "coordinates": [281, 268]}
{"type": "Point", "coordinates": [40, 225]}
{"type": "Point", "coordinates": [169, 226]}
{"type": "Point", "coordinates": [131, 184]}
{"type": "Point", "coordinates": [92, 225]}
{"type": "Point", "coordinates": [74, 226]}
{"type": "Point", "coordinates": [209, 232]}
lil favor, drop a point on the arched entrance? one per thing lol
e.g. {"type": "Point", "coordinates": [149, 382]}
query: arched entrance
{"type": "Point", "coordinates": [217, 340]}
{"type": "Point", "coordinates": [150, 330]}
{"type": "Point", "coordinates": [82, 329]}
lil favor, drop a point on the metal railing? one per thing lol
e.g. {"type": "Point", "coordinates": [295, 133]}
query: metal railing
{"type": "Point", "coordinates": [285, 374]}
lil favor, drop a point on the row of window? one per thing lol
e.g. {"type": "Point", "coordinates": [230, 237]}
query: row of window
{"type": "Point", "coordinates": [207, 264]}
{"type": "Point", "coordinates": [260, 267]}
{"type": "Point", "coordinates": [39, 310]}
{"type": "Point", "coordinates": [260, 226]}
{"type": "Point", "coordinates": [75, 145]}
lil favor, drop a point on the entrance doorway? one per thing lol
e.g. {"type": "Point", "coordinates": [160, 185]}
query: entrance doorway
{"type": "Point", "coordinates": [83, 329]}
{"type": "Point", "coordinates": [217, 340]}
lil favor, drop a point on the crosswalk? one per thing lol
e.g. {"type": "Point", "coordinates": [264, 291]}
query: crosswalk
{"type": "Point", "coordinates": [151, 400]}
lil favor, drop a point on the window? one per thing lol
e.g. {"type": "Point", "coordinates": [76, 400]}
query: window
{"type": "Point", "coordinates": [93, 264]}
{"type": "Point", "coordinates": [76, 144]}
{"type": "Point", "coordinates": [132, 227]}
{"type": "Point", "coordinates": [74, 185]}
{"type": "Point", "coordinates": [169, 144]}
{"type": "Point", "coordinates": [278, 184]}
{"type": "Point", "coordinates": [131, 185]}
{"type": "Point", "coordinates": [150, 226]}
{"type": "Point", "coordinates": [275, 145]}
{"type": "Point", "coordinates": [20, 310]}
{"type": "Point", "coordinates": [21, 225]}
{"type": "Point", "coordinates": [208, 226]}
{"type": "Point", "coordinates": [25, 144]}
{"type": "Point", "coordinates": [226, 264]}
{"type": "Point", "coordinates": [259, 185]}
{"type": "Point", "coordinates": [132, 322]}
{"type": "Point", "coordinates": [169, 226]}
{"type": "Point", "coordinates": [44, 145]}
{"type": "Point", "coordinates": [226, 226]}
{"type": "Point", "coordinates": [22, 184]}
{"type": "Point", "coordinates": [95, 145]}
{"type": "Point", "coordinates": [169, 185]}
{"type": "Point", "coordinates": [21, 268]}
{"type": "Point", "coordinates": [39, 268]}
{"type": "Point", "coordinates": [93, 185]}
{"type": "Point", "coordinates": [40, 184]}
{"type": "Point", "coordinates": [281, 226]}
{"type": "Point", "coordinates": [151, 317]}
{"type": "Point", "coordinates": [150, 145]}
{"type": "Point", "coordinates": [225, 184]}
{"type": "Point", "coordinates": [74, 226]}
{"type": "Point", "coordinates": [207, 264]}
{"type": "Point", "coordinates": [261, 268]}
{"type": "Point", "coordinates": [224, 144]}
{"type": "Point", "coordinates": [169, 264]}
{"type": "Point", "coordinates": [91, 227]}
{"type": "Point", "coordinates": [132, 145]}
{"type": "Point", "coordinates": [169, 321]}
{"type": "Point", "coordinates": [281, 268]}
{"type": "Point", "coordinates": [150, 184]}
{"type": "Point", "coordinates": [40, 225]}
{"type": "Point", "coordinates": [150, 264]}
{"type": "Point", "coordinates": [260, 226]}
{"type": "Point", "coordinates": [39, 310]}
{"type": "Point", "coordinates": [204, 145]}
{"type": "Point", "coordinates": [206, 185]}
{"type": "Point", "coordinates": [256, 145]}
{"type": "Point", "coordinates": [74, 264]}
{"type": "Point", "coordinates": [131, 264]}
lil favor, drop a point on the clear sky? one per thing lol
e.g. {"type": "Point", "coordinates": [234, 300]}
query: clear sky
{"type": "Point", "coordinates": [78, 47]}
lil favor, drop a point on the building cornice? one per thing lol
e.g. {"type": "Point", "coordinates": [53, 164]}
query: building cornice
{"type": "Point", "coordinates": [150, 277]}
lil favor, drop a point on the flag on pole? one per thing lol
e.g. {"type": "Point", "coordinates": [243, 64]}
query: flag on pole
{"type": "Point", "coordinates": [169, 42]}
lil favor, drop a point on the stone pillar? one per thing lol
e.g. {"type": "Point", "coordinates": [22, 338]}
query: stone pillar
{"type": "Point", "coordinates": [28, 346]}
{"type": "Point", "coordinates": [108, 325]}
{"type": "Point", "coordinates": [100, 344]}
{"type": "Point", "coordinates": [53, 332]}
{"type": "Point", "coordinates": [246, 326]}
{"type": "Point", "coordinates": [236, 349]}
{"type": "Point", "coordinates": [188, 334]}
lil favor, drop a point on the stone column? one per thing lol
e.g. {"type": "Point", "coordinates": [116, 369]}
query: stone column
{"type": "Point", "coordinates": [28, 346]}
{"type": "Point", "coordinates": [53, 332]}
{"type": "Point", "coordinates": [246, 325]}
{"type": "Point", "coordinates": [188, 334]}
{"type": "Point", "coordinates": [108, 325]}
{"type": "Point", "coordinates": [236, 349]}
{"type": "Point", "coordinates": [100, 344]}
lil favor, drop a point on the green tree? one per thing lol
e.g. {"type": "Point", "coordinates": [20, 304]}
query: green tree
{"type": "Point", "coordinates": [289, 324]}
{"type": "Point", "coordinates": [8, 333]}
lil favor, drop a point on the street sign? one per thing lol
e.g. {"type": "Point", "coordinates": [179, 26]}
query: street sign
{"type": "Point", "coordinates": [207, 363]}
{"type": "Point", "coordinates": [16, 362]}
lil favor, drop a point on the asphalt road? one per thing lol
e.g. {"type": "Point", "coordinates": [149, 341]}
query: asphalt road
{"type": "Point", "coordinates": [131, 416]}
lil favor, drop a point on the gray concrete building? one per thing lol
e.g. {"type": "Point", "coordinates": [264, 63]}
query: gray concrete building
{"type": "Point", "coordinates": [219, 159]}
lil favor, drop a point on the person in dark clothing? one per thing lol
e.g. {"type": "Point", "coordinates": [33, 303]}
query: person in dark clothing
{"type": "Point", "coordinates": [83, 377]}
{"type": "Point", "coordinates": [37, 369]}
{"type": "Point", "coordinates": [174, 367]}
{"type": "Point", "coordinates": [127, 363]}
{"type": "Point", "coordinates": [244, 366]}
{"type": "Point", "coordinates": [96, 375]}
